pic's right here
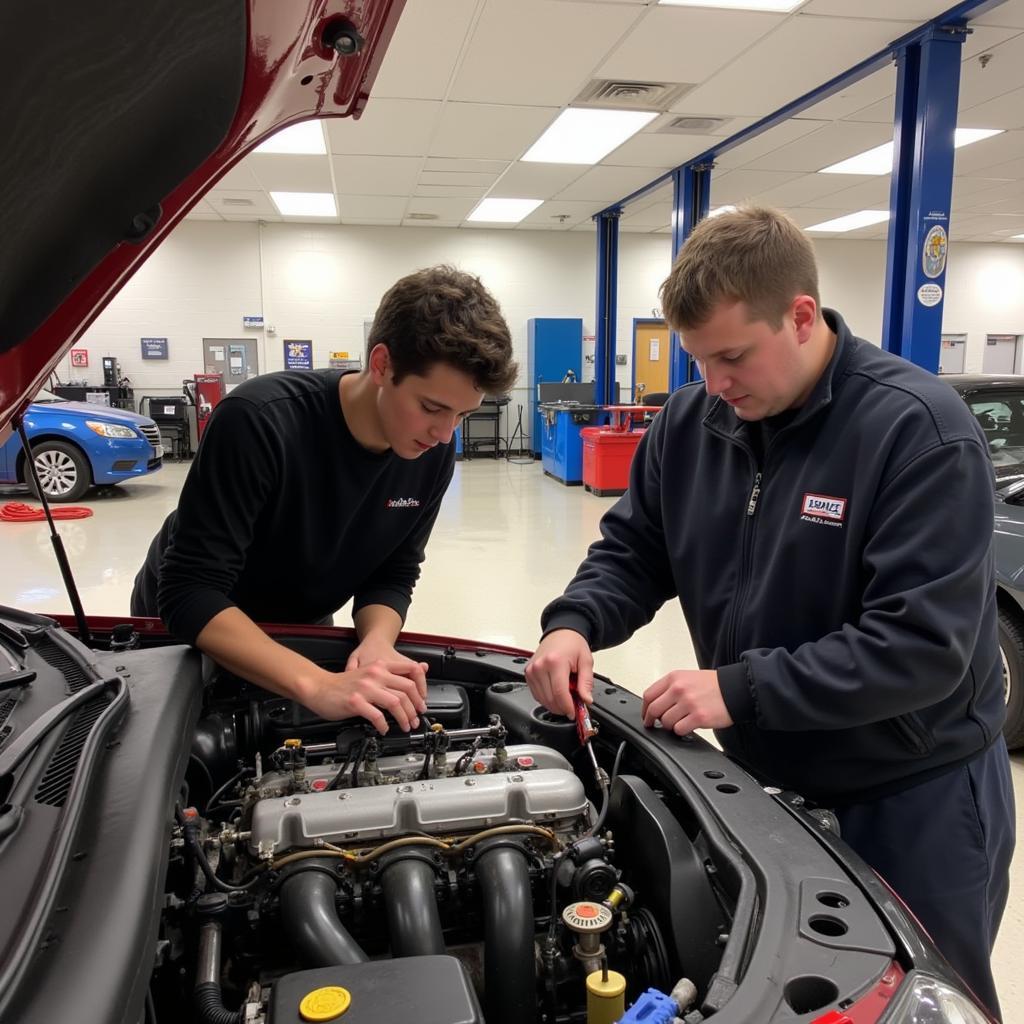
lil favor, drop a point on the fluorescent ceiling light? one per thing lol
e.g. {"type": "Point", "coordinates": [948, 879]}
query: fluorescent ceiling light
{"type": "Point", "coordinates": [966, 136]}
{"type": "Point", "coordinates": [305, 204]}
{"type": "Point", "coordinates": [852, 221]}
{"type": "Point", "coordinates": [304, 137]}
{"type": "Point", "coordinates": [879, 159]}
{"type": "Point", "coordinates": [1017, 236]}
{"type": "Point", "coordinates": [504, 211]}
{"type": "Point", "coordinates": [783, 6]}
{"type": "Point", "coordinates": [580, 135]}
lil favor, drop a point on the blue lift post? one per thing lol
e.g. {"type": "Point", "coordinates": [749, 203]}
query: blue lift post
{"type": "Point", "coordinates": [927, 91]}
{"type": "Point", "coordinates": [950, 24]}
{"type": "Point", "coordinates": [607, 289]}
{"type": "Point", "coordinates": [691, 195]}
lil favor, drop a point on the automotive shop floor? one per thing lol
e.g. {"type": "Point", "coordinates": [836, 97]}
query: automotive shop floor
{"type": "Point", "coordinates": [507, 540]}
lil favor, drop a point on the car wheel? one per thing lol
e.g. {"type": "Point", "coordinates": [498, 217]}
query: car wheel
{"type": "Point", "coordinates": [1011, 649]}
{"type": "Point", "coordinates": [63, 471]}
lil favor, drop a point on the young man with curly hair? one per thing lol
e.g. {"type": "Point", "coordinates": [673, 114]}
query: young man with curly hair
{"type": "Point", "coordinates": [313, 487]}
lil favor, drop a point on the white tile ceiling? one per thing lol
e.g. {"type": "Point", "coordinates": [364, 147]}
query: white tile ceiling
{"type": "Point", "coordinates": [467, 86]}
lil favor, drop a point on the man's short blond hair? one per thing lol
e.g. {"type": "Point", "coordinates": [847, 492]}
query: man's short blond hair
{"type": "Point", "coordinates": [752, 254]}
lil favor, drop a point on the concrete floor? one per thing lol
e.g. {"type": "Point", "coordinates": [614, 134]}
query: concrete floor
{"type": "Point", "coordinates": [507, 540]}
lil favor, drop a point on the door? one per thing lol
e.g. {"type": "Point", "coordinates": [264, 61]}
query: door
{"type": "Point", "coordinates": [651, 357]}
{"type": "Point", "coordinates": [1000, 354]}
{"type": "Point", "coordinates": [236, 358]}
{"type": "Point", "coordinates": [952, 352]}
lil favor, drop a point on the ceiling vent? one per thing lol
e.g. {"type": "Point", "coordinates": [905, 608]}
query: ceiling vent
{"type": "Point", "coordinates": [692, 125]}
{"type": "Point", "coordinates": [620, 94]}
{"type": "Point", "coordinates": [232, 201]}
{"type": "Point", "coordinates": [421, 216]}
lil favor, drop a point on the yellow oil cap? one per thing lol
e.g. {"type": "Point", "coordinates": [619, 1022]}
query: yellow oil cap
{"type": "Point", "coordinates": [325, 1003]}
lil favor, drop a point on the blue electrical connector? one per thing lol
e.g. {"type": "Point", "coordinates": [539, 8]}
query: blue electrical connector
{"type": "Point", "coordinates": [653, 1007]}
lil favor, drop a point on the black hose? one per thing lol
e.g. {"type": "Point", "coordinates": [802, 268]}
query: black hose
{"type": "Point", "coordinates": [211, 1008]}
{"type": "Point", "coordinates": [207, 994]}
{"type": "Point", "coordinates": [510, 975]}
{"type": "Point", "coordinates": [212, 802]}
{"type": "Point", "coordinates": [311, 921]}
{"type": "Point", "coordinates": [607, 791]}
{"type": "Point", "coordinates": [190, 833]}
{"type": "Point", "coordinates": [414, 924]}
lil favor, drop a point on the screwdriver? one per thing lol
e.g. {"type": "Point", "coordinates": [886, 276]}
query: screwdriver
{"type": "Point", "coordinates": [585, 728]}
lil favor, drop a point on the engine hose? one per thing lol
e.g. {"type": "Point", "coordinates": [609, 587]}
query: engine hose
{"type": "Point", "coordinates": [414, 924]}
{"type": "Point", "coordinates": [510, 974]}
{"type": "Point", "coordinates": [210, 1006]}
{"type": "Point", "coordinates": [311, 921]}
{"type": "Point", "coordinates": [190, 834]}
{"type": "Point", "coordinates": [208, 998]}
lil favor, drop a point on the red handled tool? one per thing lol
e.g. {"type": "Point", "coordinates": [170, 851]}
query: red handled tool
{"type": "Point", "coordinates": [585, 728]}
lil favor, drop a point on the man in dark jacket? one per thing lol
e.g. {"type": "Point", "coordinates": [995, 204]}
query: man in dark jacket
{"type": "Point", "coordinates": [823, 510]}
{"type": "Point", "coordinates": [311, 487]}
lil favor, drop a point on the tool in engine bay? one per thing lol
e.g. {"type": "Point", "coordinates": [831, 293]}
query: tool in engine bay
{"type": "Point", "coordinates": [586, 730]}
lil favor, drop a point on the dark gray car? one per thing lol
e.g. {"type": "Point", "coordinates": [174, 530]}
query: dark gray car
{"type": "Point", "coordinates": [1010, 580]}
{"type": "Point", "coordinates": [998, 404]}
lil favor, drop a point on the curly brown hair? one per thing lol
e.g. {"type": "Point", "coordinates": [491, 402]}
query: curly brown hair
{"type": "Point", "coordinates": [443, 315]}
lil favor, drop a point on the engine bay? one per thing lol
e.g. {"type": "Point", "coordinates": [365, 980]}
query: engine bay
{"type": "Point", "coordinates": [318, 864]}
{"type": "Point", "coordinates": [220, 854]}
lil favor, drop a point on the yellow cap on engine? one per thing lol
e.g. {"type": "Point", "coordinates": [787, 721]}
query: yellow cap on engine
{"type": "Point", "coordinates": [606, 998]}
{"type": "Point", "coordinates": [292, 743]}
{"type": "Point", "coordinates": [323, 1004]}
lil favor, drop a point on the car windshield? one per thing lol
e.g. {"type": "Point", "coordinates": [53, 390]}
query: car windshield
{"type": "Point", "coordinates": [48, 397]}
{"type": "Point", "coordinates": [1001, 415]}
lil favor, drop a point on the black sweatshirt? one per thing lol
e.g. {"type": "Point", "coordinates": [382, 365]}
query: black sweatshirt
{"type": "Point", "coordinates": [286, 516]}
{"type": "Point", "coordinates": [841, 582]}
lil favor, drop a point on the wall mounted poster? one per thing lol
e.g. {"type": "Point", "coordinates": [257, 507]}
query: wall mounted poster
{"type": "Point", "coordinates": [154, 348]}
{"type": "Point", "coordinates": [298, 355]}
{"type": "Point", "coordinates": [79, 357]}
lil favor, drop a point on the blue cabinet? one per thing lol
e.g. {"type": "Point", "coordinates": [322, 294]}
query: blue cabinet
{"type": "Point", "coordinates": [562, 441]}
{"type": "Point", "coordinates": [555, 348]}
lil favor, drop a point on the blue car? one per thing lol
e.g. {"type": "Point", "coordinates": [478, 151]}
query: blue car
{"type": "Point", "coordinates": [77, 445]}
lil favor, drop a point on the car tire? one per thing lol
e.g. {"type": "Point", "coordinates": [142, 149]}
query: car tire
{"type": "Point", "coordinates": [64, 472]}
{"type": "Point", "coordinates": [1011, 647]}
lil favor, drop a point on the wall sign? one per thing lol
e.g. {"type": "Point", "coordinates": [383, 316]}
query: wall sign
{"type": "Point", "coordinates": [252, 321]}
{"type": "Point", "coordinates": [79, 357]}
{"type": "Point", "coordinates": [154, 348]}
{"type": "Point", "coordinates": [929, 294]}
{"type": "Point", "coordinates": [298, 355]}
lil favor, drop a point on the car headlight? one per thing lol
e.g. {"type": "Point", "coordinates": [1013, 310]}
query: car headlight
{"type": "Point", "coordinates": [923, 999]}
{"type": "Point", "coordinates": [110, 429]}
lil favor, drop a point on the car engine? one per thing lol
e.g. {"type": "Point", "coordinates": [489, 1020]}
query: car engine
{"type": "Point", "coordinates": [450, 861]}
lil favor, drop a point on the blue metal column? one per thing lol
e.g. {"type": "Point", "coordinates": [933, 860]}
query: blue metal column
{"type": "Point", "coordinates": [927, 92]}
{"type": "Point", "coordinates": [607, 289]}
{"type": "Point", "coordinates": [691, 197]}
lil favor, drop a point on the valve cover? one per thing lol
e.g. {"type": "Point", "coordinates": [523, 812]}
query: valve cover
{"type": "Point", "coordinates": [551, 797]}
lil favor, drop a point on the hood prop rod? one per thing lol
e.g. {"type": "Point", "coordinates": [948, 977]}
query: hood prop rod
{"type": "Point", "coordinates": [55, 538]}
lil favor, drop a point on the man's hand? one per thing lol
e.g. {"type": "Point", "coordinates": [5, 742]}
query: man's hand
{"type": "Point", "coordinates": [684, 700]}
{"type": "Point", "coordinates": [368, 691]}
{"type": "Point", "coordinates": [559, 653]}
{"type": "Point", "coordinates": [373, 649]}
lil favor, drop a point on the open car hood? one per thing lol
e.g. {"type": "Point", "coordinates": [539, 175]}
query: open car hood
{"type": "Point", "coordinates": [118, 121]}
